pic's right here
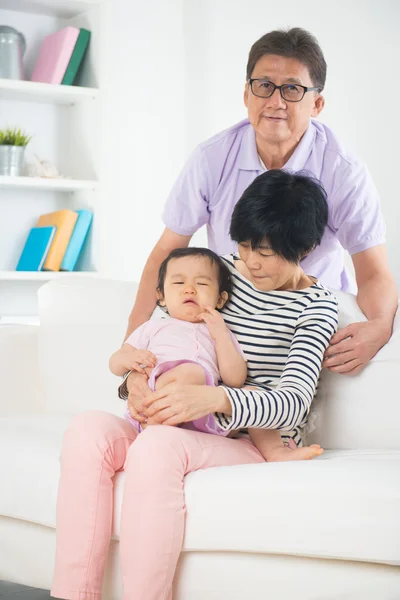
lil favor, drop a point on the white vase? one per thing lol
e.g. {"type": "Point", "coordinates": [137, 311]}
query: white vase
{"type": "Point", "coordinates": [11, 160]}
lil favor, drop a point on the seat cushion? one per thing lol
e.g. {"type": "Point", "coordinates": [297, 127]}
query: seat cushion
{"type": "Point", "coordinates": [345, 505]}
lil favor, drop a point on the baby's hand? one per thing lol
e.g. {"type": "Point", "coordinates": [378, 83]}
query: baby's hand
{"type": "Point", "coordinates": [214, 321]}
{"type": "Point", "coordinates": [142, 361]}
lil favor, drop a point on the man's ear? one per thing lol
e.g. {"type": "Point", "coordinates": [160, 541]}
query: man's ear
{"type": "Point", "coordinates": [318, 105]}
{"type": "Point", "coordinates": [222, 299]}
{"type": "Point", "coordinates": [246, 95]}
{"type": "Point", "coordinates": [160, 297]}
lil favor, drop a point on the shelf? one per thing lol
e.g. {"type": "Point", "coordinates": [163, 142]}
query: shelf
{"type": "Point", "coordinates": [51, 185]}
{"type": "Point", "coordinates": [43, 275]}
{"type": "Point", "coordinates": [19, 320]}
{"type": "Point", "coordinates": [32, 91]}
{"type": "Point", "coordinates": [65, 9]}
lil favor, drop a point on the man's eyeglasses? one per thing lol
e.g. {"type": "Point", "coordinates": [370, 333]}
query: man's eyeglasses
{"type": "Point", "coordinates": [291, 92]}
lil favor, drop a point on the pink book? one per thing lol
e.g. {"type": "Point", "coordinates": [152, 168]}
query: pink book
{"type": "Point", "coordinates": [54, 56]}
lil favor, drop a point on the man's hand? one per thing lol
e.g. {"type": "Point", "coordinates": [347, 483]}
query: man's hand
{"type": "Point", "coordinates": [352, 347]}
{"type": "Point", "coordinates": [214, 321]}
{"type": "Point", "coordinates": [138, 391]}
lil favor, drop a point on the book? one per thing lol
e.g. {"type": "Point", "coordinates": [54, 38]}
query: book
{"type": "Point", "coordinates": [54, 56]}
{"type": "Point", "coordinates": [65, 221]}
{"type": "Point", "coordinates": [77, 57]}
{"type": "Point", "coordinates": [77, 240]}
{"type": "Point", "coordinates": [36, 249]}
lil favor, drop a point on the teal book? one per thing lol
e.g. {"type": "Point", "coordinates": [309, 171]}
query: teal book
{"type": "Point", "coordinates": [77, 57]}
{"type": "Point", "coordinates": [77, 240]}
{"type": "Point", "coordinates": [36, 248]}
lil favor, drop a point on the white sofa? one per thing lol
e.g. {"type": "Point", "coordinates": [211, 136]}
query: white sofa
{"type": "Point", "coordinates": [326, 529]}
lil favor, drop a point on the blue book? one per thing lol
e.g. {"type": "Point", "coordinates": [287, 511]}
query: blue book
{"type": "Point", "coordinates": [36, 248]}
{"type": "Point", "coordinates": [77, 240]}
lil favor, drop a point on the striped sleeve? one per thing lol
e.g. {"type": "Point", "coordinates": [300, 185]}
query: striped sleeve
{"type": "Point", "coordinates": [123, 388]}
{"type": "Point", "coordinates": [287, 406]}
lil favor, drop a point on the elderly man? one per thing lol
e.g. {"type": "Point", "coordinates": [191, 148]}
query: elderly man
{"type": "Point", "coordinates": [286, 74]}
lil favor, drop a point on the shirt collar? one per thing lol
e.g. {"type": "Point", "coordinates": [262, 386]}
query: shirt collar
{"type": "Point", "coordinates": [249, 160]}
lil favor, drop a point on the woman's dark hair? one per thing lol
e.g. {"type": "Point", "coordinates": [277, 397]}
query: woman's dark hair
{"type": "Point", "coordinates": [224, 275]}
{"type": "Point", "coordinates": [288, 210]}
{"type": "Point", "coordinates": [291, 43]}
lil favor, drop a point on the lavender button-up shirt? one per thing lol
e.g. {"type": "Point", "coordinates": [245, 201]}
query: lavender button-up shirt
{"type": "Point", "coordinates": [221, 168]}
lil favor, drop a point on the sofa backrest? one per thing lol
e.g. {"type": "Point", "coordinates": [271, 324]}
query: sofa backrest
{"type": "Point", "coordinates": [83, 322]}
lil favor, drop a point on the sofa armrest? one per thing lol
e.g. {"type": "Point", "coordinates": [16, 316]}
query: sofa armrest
{"type": "Point", "coordinates": [20, 382]}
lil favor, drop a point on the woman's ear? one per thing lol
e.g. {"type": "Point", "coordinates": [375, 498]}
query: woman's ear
{"type": "Point", "coordinates": [222, 299]}
{"type": "Point", "coordinates": [160, 297]}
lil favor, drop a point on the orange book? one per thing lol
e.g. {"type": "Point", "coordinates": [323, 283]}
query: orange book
{"type": "Point", "coordinates": [65, 221]}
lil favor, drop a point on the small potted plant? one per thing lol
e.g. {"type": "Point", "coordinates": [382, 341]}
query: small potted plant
{"type": "Point", "coordinates": [13, 142]}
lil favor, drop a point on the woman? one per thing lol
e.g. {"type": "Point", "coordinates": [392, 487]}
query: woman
{"type": "Point", "coordinates": [283, 319]}
{"type": "Point", "coordinates": [285, 77]}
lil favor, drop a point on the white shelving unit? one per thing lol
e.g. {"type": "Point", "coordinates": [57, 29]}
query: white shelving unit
{"type": "Point", "coordinates": [32, 91]}
{"type": "Point", "coordinates": [64, 122]}
{"type": "Point", "coordinates": [65, 9]}
{"type": "Point", "coordinates": [43, 275]}
{"type": "Point", "coordinates": [51, 185]}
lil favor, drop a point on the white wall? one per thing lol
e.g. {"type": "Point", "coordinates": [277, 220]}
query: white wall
{"type": "Point", "coordinates": [361, 44]}
{"type": "Point", "coordinates": [142, 127]}
{"type": "Point", "coordinates": [198, 51]}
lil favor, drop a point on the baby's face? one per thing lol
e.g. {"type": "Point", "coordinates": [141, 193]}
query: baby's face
{"type": "Point", "coordinates": [191, 284]}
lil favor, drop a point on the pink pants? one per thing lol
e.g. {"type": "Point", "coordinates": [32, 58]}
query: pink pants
{"type": "Point", "coordinates": [95, 447]}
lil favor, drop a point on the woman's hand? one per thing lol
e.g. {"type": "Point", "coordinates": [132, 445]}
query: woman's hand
{"type": "Point", "coordinates": [352, 347]}
{"type": "Point", "coordinates": [214, 321]}
{"type": "Point", "coordinates": [175, 404]}
{"type": "Point", "coordinates": [138, 392]}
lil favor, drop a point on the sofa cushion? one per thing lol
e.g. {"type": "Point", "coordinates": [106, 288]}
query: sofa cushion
{"type": "Point", "coordinates": [361, 411]}
{"type": "Point", "coordinates": [82, 322]}
{"type": "Point", "coordinates": [345, 505]}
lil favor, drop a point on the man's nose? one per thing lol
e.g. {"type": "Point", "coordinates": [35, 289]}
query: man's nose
{"type": "Point", "coordinates": [276, 100]}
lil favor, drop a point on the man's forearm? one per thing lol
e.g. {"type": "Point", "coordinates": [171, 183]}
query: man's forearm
{"type": "Point", "coordinates": [378, 299]}
{"type": "Point", "coordinates": [146, 296]}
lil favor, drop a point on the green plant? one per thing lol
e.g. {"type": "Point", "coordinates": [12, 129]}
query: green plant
{"type": "Point", "coordinates": [14, 137]}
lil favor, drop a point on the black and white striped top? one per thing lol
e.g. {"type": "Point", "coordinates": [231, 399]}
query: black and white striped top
{"type": "Point", "coordinates": [284, 335]}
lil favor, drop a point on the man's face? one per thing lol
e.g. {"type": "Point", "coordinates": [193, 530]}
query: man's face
{"type": "Point", "coordinates": [274, 119]}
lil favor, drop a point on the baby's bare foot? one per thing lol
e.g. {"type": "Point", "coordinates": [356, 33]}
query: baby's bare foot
{"type": "Point", "coordinates": [283, 453]}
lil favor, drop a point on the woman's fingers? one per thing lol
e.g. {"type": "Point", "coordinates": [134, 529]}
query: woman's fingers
{"type": "Point", "coordinates": [135, 414]}
{"type": "Point", "coordinates": [166, 416]}
{"type": "Point", "coordinates": [158, 406]}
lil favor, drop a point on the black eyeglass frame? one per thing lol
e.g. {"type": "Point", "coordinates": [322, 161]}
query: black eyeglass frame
{"type": "Point", "coordinates": [279, 87]}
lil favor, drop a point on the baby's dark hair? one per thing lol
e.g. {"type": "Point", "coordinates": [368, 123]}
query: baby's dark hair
{"type": "Point", "coordinates": [224, 275]}
{"type": "Point", "coordinates": [288, 210]}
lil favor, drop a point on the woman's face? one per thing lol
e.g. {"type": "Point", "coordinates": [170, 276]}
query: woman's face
{"type": "Point", "coordinates": [265, 270]}
{"type": "Point", "coordinates": [273, 119]}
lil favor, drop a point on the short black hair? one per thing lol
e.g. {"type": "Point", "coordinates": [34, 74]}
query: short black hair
{"type": "Point", "coordinates": [224, 275]}
{"type": "Point", "coordinates": [288, 210]}
{"type": "Point", "coordinates": [291, 43]}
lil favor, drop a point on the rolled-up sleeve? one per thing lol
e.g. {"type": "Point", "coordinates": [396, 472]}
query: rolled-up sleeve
{"type": "Point", "coordinates": [287, 406]}
{"type": "Point", "coordinates": [186, 209]}
{"type": "Point", "coordinates": [356, 214]}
